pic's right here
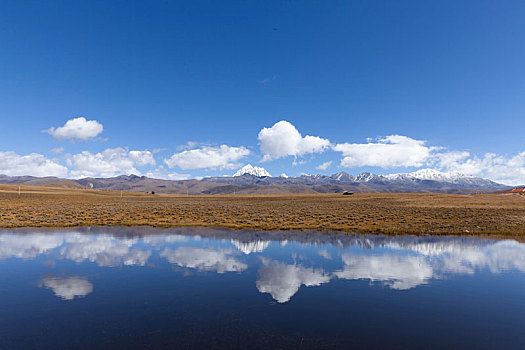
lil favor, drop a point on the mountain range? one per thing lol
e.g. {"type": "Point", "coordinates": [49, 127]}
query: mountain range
{"type": "Point", "coordinates": [257, 180]}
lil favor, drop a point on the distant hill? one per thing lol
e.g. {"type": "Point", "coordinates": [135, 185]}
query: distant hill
{"type": "Point", "coordinates": [30, 180]}
{"type": "Point", "coordinates": [64, 184]}
{"type": "Point", "coordinates": [425, 180]}
{"type": "Point", "coordinates": [145, 184]}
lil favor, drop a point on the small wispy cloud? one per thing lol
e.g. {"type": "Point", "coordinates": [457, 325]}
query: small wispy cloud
{"type": "Point", "coordinates": [324, 166]}
{"type": "Point", "coordinates": [159, 150]}
{"type": "Point", "coordinates": [268, 79]}
{"type": "Point", "coordinates": [189, 145]}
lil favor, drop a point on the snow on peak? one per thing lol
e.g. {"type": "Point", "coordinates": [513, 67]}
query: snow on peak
{"type": "Point", "coordinates": [251, 170]}
{"type": "Point", "coordinates": [429, 174]}
{"type": "Point", "coordinates": [342, 176]}
{"type": "Point", "coordinates": [283, 175]}
{"type": "Point", "coordinates": [367, 177]}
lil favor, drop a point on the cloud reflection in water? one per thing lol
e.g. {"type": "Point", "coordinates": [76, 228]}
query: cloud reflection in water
{"type": "Point", "coordinates": [104, 250]}
{"type": "Point", "coordinates": [204, 259]}
{"type": "Point", "coordinates": [398, 272]}
{"type": "Point", "coordinates": [68, 288]}
{"type": "Point", "coordinates": [282, 281]}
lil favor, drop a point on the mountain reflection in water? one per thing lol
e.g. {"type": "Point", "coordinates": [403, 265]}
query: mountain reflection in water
{"type": "Point", "coordinates": [284, 261]}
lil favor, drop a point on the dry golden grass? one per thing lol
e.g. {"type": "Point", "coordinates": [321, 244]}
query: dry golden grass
{"type": "Point", "coordinates": [486, 215]}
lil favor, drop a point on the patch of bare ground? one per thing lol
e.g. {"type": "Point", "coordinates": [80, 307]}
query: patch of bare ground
{"type": "Point", "coordinates": [493, 215]}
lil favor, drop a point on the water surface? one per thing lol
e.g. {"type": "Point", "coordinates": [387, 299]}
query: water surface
{"type": "Point", "coordinates": [217, 288]}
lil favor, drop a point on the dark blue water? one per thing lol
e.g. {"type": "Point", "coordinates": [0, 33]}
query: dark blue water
{"type": "Point", "coordinates": [214, 288]}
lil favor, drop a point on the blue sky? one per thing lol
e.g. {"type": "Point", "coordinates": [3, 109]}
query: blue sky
{"type": "Point", "coordinates": [384, 86]}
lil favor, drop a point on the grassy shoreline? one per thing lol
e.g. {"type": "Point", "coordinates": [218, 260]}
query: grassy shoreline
{"type": "Point", "coordinates": [480, 215]}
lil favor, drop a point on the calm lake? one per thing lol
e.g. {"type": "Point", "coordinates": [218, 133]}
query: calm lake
{"type": "Point", "coordinates": [217, 288]}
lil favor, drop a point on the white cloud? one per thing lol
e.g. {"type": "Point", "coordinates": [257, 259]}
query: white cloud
{"type": "Point", "coordinates": [189, 145]}
{"type": "Point", "coordinates": [222, 157]}
{"type": "Point", "coordinates": [506, 170]}
{"type": "Point", "coordinates": [324, 166]}
{"type": "Point", "coordinates": [111, 162]}
{"type": "Point", "coordinates": [162, 173]}
{"type": "Point", "coordinates": [282, 281]}
{"type": "Point", "coordinates": [387, 152]}
{"type": "Point", "coordinates": [268, 79]}
{"type": "Point", "coordinates": [204, 259]}
{"type": "Point", "coordinates": [77, 128]}
{"type": "Point", "coordinates": [57, 150]}
{"type": "Point", "coordinates": [68, 288]}
{"type": "Point", "coordinates": [300, 162]}
{"type": "Point", "coordinates": [283, 139]}
{"type": "Point", "coordinates": [33, 164]}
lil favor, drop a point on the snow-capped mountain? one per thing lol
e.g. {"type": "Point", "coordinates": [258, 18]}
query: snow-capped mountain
{"type": "Point", "coordinates": [251, 170]}
{"type": "Point", "coordinates": [429, 174]}
{"type": "Point", "coordinates": [342, 176]}
{"type": "Point", "coordinates": [424, 180]}
{"type": "Point", "coordinates": [369, 177]}
{"type": "Point", "coordinates": [442, 177]}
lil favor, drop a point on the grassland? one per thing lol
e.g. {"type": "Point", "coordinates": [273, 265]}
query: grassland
{"type": "Point", "coordinates": [481, 214]}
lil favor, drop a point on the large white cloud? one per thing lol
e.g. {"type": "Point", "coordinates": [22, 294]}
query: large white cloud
{"type": "Point", "coordinates": [34, 164]}
{"type": "Point", "coordinates": [111, 162]}
{"type": "Point", "coordinates": [507, 170]}
{"type": "Point", "coordinates": [77, 128]}
{"type": "Point", "coordinates": [387, 152]}
{"type": "Point", "coordinates": [222, 157]}
{"type": "Point", "coordinates": [282, 281]}
{"type": "Point", "coordinates": [283, 139]}
{"type": "Point", "coordinates": [68, 288]}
